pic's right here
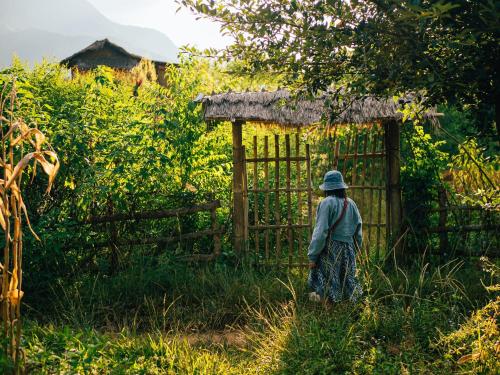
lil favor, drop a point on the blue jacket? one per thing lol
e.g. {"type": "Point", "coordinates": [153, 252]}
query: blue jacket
{"type": "Point", "coordinates": [328, 212]}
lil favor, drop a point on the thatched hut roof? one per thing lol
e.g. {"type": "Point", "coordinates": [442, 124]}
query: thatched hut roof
{"type": "Point", "coordinates": [104, 52]}
{"type": "Point", "coordinates": [280, 108]}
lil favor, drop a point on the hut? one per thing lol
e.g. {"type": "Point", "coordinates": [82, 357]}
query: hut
{"type": "Point", "coordinates": [104, 52]}
{"type": "Point", "coordinates": [283, 109]}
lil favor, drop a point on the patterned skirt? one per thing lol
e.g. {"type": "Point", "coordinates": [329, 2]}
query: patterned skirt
{"type": "Point", "coordinates": [335, 274]}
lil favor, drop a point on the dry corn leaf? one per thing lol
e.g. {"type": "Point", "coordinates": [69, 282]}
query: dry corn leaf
{"type": "Point", "coordinates": [11, 130]}
{"type": "Point", "coordinates": [39, 138]}
{"type": "Point", "coordinates": [15, 296]}
{"type": "Point", "coordinates": [19, 168]}
{"type": "Point", "coordinates": [468, 358]}
{"type": "Point", "coordinates": [50, 169]}
{"type": "Point", "coordinates": [13, 280]}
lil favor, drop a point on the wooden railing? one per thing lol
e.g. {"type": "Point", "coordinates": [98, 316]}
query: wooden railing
{"type": "Point", "coordinates": [486, 222]}
{"type": "Point", "coordinates": [114, 241]}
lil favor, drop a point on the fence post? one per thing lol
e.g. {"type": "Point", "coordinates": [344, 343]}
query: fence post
{"type": "Point", "coordinates": [393, 160]}
{"type": "Point", "coordinates": [443, 216]}
{"type": "Point", "coordinates": [113, 238]}
{"type": "Point", "coordinates": [215, 228]}
{"type": "Point", "coordinates": [238, 193]}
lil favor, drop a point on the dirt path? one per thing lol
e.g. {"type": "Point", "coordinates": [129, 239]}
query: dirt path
{"type": "Point", "coordinates": [227, 337]}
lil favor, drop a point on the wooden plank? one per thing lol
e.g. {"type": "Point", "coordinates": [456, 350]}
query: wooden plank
{"type": "Point", "coordinates": [301, 253]}
{"type": "Point", "coordinates": [363, 179]}
{"type": "Point", "coordinates": [277, 226]}
{"type": "Point", "coordinates": [355, 162]}
{"type": "Point", "coordinates": [156, 240]}
{"type": "Point", "coordinates": [336, 155]}
{"type": "Point", "coordinates": [289, 199]}
{"type": "Point", "coordinates": [292, 190]}
{"type": "Point", "coordinates": [348, 146]}
{"type": "Point", "coordinates": [379, 216]}
{"type": "Point", "coordinates": [255, 196]}
{"type": "Point", "coordinates": [465, 228]}
{"type": "Point", "coordinates": [309, 192]}
{"type": "Point", "coordinates": [392, 144]}
{"type": "Point", "coordinates": [372, 181]}
{"type": "Point", "coordinates": [215, 229]}
{"type": "Point", "coordinates": [156, 214]}
{"type": "Point", "coordinates": [277, 215]}
{"type": "Point", "coordinates": [331, 146]}
{"type": "Point", "coordinates": [369, 155]}
{"type": "Point", "coordinates": [270, 160]}
{"type": "Point", "coordinates": [245, 201]}
{"type": "Point", "coordinates": [454, 208]}
{"type": "Point", "coordinates": [238, 198]}
{"type": "Point", "coordinates": [266, 197]}
{"type": "Point", "coordinates": [443, 216]}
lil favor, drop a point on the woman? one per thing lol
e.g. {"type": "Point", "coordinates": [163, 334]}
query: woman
{"type": "Point", "coordinates": [332, 256]}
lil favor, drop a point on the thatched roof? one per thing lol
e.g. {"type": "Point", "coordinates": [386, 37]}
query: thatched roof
{"type": "Point", "coordinates": [280, 108]}
{"type": "Point", "coordinates": [104, 52]}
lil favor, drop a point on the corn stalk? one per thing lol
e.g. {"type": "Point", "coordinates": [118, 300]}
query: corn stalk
{"type": "Point", "coordinates": [21, 146]}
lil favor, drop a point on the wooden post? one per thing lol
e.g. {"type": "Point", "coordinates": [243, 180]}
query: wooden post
{"type": "Point", "coordinates": [393, 160]}
{"type": "Point", "coordinates": [238, 193]}
{"type": "Point", "coordinates": [443, 215]}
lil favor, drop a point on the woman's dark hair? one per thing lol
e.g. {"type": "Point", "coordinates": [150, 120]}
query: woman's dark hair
{"type": "Point", "coordinates": [340, 193]}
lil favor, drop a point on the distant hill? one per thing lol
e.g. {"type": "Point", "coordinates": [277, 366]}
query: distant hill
{"type": "Point", "coordinates": [33, 29]}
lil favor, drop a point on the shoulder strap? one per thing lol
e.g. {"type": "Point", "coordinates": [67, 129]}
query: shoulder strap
{"type": "Point", "coordinates": [342, 214]}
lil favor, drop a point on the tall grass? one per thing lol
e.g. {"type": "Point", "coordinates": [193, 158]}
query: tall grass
{"type": "Point", "coordinates": [413, 321]}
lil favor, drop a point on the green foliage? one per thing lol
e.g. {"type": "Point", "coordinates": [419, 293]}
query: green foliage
{"type": "Point", "coordinates": [446, 51]}
{"type": "Point", "coordinates": [474, 176]}
{"type": "Point", "coordinates": [420, 175]}
{"type": "Point", "coordinates": [413, 322]}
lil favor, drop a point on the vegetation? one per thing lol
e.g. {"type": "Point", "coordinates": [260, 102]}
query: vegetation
{"type": "Point", "coordinates": [126, 144]}
{"type": "Point", "coordinates": [227, 322]}
{"type": "Point", "coordinates": [446, 51]}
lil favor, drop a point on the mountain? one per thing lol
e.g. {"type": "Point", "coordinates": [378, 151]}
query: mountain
{"type": "Point", "coordinates": [33, 29]}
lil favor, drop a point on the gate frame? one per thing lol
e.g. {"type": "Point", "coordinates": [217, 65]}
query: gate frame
{"type": "Point", "coordinates": [393, 187]}
{"type": "Point", "coordinates": [283, 109]}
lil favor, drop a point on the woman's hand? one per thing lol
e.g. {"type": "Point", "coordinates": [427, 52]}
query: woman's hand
{"type": "Point", "coordinates": [312, 265]}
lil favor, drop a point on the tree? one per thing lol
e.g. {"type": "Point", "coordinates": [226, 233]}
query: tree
{"type": "Point", "coordinates": [447, 51]}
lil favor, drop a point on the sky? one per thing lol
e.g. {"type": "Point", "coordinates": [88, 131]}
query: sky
{"type": "Point", "coordinates": [181, 27]}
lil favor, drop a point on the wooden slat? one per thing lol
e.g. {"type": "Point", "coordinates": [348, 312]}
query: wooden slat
{"type": "Point", "coordinates": [371, 171]}
{"type": "Point", "coordinates": [277, 214]}
{"type": "Point", "coordinates": [270, 160]}
{"type": "Point", "coordinates": [370, 155]}
{"type": "Point", "coordinates": [368, 187]}
{"type": "Point", "coordinates": [363, 181]}
{"type": "Point", "coordinates": [465, 228]}
{"type": "Point", "coordinates": [336, 155]}
{"type": "Point", "coordinates": [157, 214]}
{"type": "Point", "coordinates": [379, 218]}
{"type": "Point", "coordinates": [454, 208]}
{"type": "Point", "coordinates": [155, 240]}
{"type": "Point", "coordinates": [309, 192]}
{"type": "Point", "coordinates": [301, 253]}
{"type": "Point", "coordinates": [215, 230]}
{"type": "Point", "coordinates": [348, 146]}
{"type": "Point", "coordinates": [354, 172]}
{"type": "Point", "coordinates": [289, 199]}
{"type": "Point", "coordinates": [266, 197]}
{"type": "Point", "coordinates": [278, 226]}
{"type": "Point", "coordinates": [245, 200]}
{"type": "Point", "coordinates": [331, 146]}
{"type": "Point", "coordinates": [286, 190]}
{"type": "Point", "coordinates": [255, 198]}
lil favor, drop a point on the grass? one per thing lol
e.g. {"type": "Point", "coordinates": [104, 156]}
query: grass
{"type": "Point", "coordinates": [424, 320]}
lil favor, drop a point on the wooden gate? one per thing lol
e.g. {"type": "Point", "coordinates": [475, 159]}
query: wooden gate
{"type": "Point", "coordinates": [279, 211]}
{"type": "Point", "coordinates": [359, 153]}
{"type": "Point", "coordinates": [278, 192]}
